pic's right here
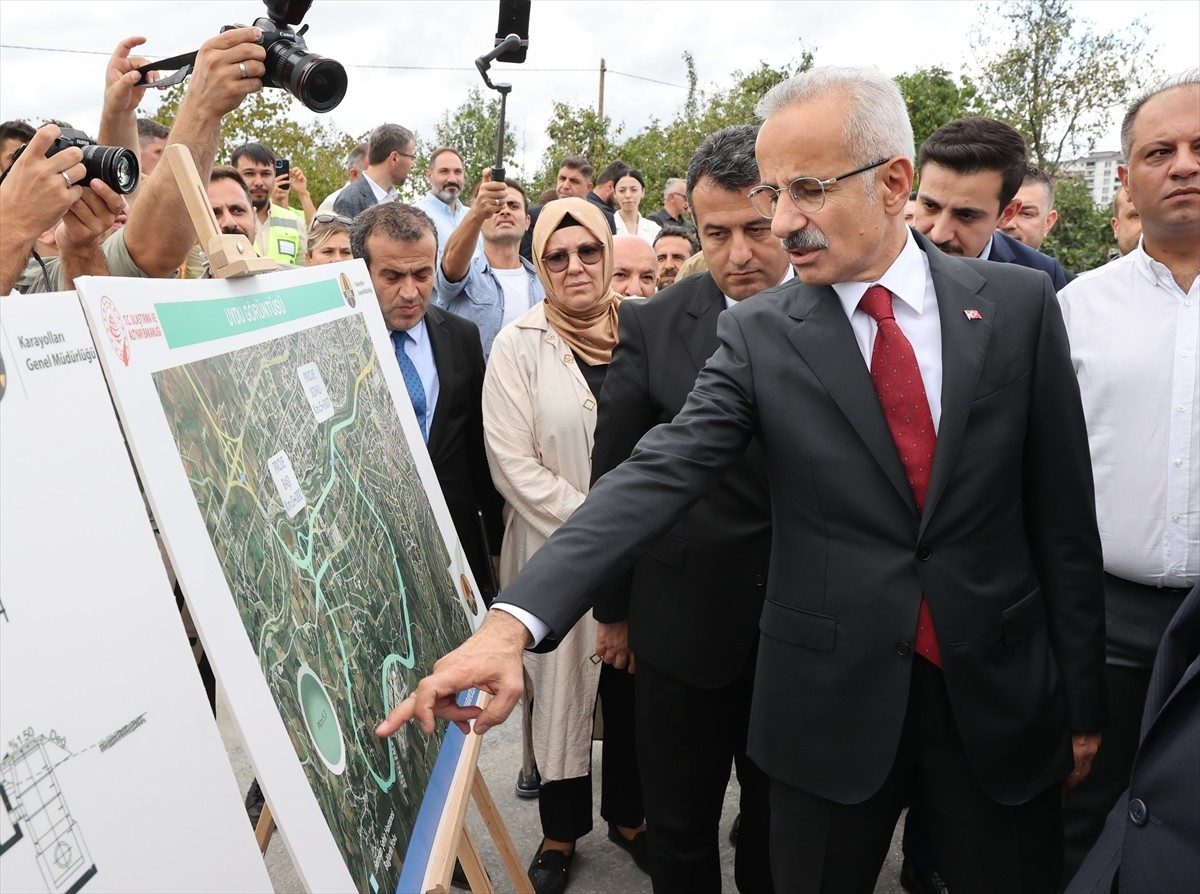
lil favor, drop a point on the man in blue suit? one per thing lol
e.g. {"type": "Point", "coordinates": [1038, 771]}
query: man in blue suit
{"type": "Point", "coordinates": [970, 171]}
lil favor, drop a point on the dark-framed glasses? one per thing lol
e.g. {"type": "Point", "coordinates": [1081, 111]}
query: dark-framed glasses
{"type": "Point", "coordinates": [808, 193]}
{"type": "Point", "coordinates": [589, 253]}
{"type": "Point", "coordinates": [332, 218]}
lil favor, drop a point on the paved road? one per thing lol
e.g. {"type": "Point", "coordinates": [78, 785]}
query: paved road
{"type": "Point", "coordinates": [600, 867]}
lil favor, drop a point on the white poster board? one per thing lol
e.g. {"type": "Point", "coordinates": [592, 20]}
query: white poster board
{"type": "Point", "coordinates": [112, 773]}
{"type": "Point", "coordinates": [313, 545]}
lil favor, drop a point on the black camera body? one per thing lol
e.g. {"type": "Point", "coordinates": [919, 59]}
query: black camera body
{"type": "Point", "coordinates": [316, 81]}
{"type": "Point", "coordinates": [115, 165]}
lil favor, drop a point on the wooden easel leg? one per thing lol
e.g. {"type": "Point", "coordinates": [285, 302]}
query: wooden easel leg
{"type": "Point", "coordinates": [499, 832]}
{"type": "Point", "coordinates": [265, 829]}
{"type": "Point", "coordinates": [473, 867]}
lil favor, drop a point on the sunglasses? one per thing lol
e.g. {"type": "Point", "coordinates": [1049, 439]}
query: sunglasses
{"type": "Point", "coordinates": [589, 253]}
{"type": "Point", "coordinates": [331, 218]}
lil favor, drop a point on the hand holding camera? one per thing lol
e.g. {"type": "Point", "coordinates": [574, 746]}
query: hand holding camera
{"type": "Point", "coordinates": [40, 186]}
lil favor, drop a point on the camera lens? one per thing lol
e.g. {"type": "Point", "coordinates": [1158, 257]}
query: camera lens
{"type": "Point", "coordinates": [117, 167]}
{"type": "Point", "coordinates": [317, 82]}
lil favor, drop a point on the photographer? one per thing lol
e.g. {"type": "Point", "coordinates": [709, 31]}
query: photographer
{"type": "Point", "coordinates": [159, 232]}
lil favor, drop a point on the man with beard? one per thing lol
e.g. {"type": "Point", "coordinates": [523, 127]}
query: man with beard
{"type": "Point", "coordinates": [443, 203]}
{"type": "Point", "coordinates": [282, 234]}
{"type": "Point", "coordinates": [232, 203]}
{"type": "Point", "coordinates": [493, 287]}
{"type": "Point", "coordinates": [673, 245]}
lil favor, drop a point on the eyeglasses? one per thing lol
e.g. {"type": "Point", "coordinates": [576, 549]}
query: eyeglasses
{"type": "Point", "coordinates": [589, 253]}
{"type": "Point", "coordinates": [331, 218]}
{"type": "Point", "coordinates": [808, 193]}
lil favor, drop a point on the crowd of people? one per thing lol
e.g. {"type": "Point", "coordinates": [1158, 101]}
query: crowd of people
{"type": "Point", "coordinates": [809, 475]}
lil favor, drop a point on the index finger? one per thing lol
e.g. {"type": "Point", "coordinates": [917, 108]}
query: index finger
{"type": "Point", "coordinates": [227, 40]}
{"type": "Point", "coordinates": [123, 48]}
{"type": "Point", "coordinates": [41, 140]}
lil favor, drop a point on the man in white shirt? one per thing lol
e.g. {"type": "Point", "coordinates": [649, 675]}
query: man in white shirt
{"type": "Point", "coordinates": [390, 153]}
{"type": "Point", "coordinates": [1134, 326]}
{"type": "Point", "coordinates": [931, 619]}
{"type": "Point", "coordinates": [443, 203]}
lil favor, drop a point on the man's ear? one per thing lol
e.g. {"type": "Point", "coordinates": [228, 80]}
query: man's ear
{"type": "Point", "coordinates": [1051, 220]}
{"type": "Point", "coordinates": [1009, 212]}
{"type": "Point", "coordinates": [896, 180]}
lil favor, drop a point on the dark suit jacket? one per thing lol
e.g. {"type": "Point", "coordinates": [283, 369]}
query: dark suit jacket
{"type": "Point", "coordinates": [1151, 840]}
{"type": "Point", "coordinates": [1007, 250]}
{"type": "Point", "coordinates": [456, 439]}
{"type": "Point", "coordinates": [662, 217]}
{"type": "Point", "coordinates": [354, 199]}
{"type": "Point", "coordinates": [699, 592]}
{"type": "Point", "coordinates": [1007, 551]}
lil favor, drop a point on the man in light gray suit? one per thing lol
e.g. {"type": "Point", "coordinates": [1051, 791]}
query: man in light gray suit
{"type": "Point", "coordinates": [390, 153]}
{"type": "Point", "coordinates": [933, 618]}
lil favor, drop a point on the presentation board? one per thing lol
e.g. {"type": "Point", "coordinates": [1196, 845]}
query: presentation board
{"type": "Point", "coordinates": [113, 776]}
{"type": "Point", "coordinates": [311, 540]}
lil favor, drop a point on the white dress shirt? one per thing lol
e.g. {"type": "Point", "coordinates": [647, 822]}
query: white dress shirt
{"type": "Point", "coordinates": [381, 195]}
{"type": "Point", "coordinates": [1135, 337]}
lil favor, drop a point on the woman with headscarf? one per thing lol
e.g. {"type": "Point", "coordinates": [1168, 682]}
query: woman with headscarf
{"type": "Point", "coordinates": [539, 412]}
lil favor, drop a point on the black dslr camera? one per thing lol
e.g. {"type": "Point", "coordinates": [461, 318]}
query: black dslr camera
{"type": "Point", "coordinates": [317, 82]}
{"type": "Point", "coordinates": [114, 165]}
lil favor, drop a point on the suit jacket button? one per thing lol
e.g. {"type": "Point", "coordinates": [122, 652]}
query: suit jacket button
{"type": "Point", "coordinates": [1138, 814]}
{"type": "Point", "coordinates": [759, 580]}
{"type": "Point", "coordinates": [924, 552]}
{"type": "Point", "coordinates": [903, 649]}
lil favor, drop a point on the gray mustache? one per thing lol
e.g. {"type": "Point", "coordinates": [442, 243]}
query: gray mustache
{"type": "Point", "coordinates": [804, 239]}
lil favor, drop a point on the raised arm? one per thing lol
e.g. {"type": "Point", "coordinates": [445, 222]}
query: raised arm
{"type": "Point", "coordinates": [456, 258]}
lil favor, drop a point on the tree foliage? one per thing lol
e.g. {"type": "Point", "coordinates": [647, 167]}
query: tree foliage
{"type": "Point", "coordinates": [472, 130]}
{"type": "Point", "coordinates": [1082, 238]}
{"type": "Point", "coordinates": [273, 118]}
{"type": "Point", "coordinates": [933, 97]}
{"type": "Point", "coordinates": [1054, 78]}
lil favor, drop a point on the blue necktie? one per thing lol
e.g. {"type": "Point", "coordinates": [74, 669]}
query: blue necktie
{"type": "Point", "coordinates": [412, 380]}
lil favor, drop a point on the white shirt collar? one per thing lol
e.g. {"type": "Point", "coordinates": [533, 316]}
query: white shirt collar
{"type": "Point", "coordinates": [789, 273]}
{"type": "Point", "coordinates": [1154, 271]}
{"type": "Point", "coordinates": [987, 249]}
{"type": "Point", "coordinates": [380, 194]}
{"type": "Point", "coordinates": [905, 279]}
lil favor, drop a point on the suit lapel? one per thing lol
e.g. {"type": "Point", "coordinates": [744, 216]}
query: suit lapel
{"type": "Point", "coordinates": [443, 360]}
{"type": "Point", "coordinates": [823, 337]}
{"type": "Point", "coordinates": [700, 337]}
{"type": "Point", "coordinates": [964, 347]}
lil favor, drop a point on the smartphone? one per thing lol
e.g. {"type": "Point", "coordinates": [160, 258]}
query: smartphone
{"type": "Point", "coordinates": [514, 19]}
{"type": "Point", "coordinates": [282, 169]}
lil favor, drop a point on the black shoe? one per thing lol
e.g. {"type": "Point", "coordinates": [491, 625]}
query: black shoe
{"type": "Point", "coordinates": [636, 846]}
{"type": "Point", "coordinates": [733, 830]}
{"type": "Point", "coordinates": [921, 880]}
{"type": "Point", "coordinates": [254, 804]}
{"type": "Point", "coordinates": [529, 786]}
{"type": "Point", "coordinates": [550, 871]}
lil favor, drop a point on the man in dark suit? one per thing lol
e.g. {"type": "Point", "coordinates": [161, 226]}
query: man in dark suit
{"type": "Point", "coordinates": [933, 617]}
{"type": "Point", "coordinates": [970, 172]}
{"type": "Point", "coordinates": [699, 591]}
{"type": "Point", "coordinates": [442, 363]}
{"type": "Point", "coordinates": [1151, 840]}
{"type": "Point", "coordinates": [390, 153]}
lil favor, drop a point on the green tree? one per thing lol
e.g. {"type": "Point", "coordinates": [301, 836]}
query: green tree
{"type": "Point", "coordinates": [471, 129]}
{"type": "Point", "coordinates": [574, 130]}
{"type": "Point", "coordinates": [279, 121]}
{"type": "Point", "coordinates": [1082, 238]}
{"type": "Point", "coordinates": [1054, 78]}
{"type": "Point", "coordinates": [933, 97]}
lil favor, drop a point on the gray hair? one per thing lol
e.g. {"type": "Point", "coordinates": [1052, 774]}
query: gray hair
{"type": "Point", "coordinates": [727, 158]}
{"type": "Point", "coordinates": [395, 220]}
{"type": "Point", "coordinates": [357, 157]}
{"type": "Point", "coordinates": [1191, 76]}
{"type": "Point", "coordinates": [877, 124]}
{"type": "Point", "coordinates": [671, 183]}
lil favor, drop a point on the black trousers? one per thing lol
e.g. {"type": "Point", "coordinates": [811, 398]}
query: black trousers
{"type": "Point", "coordinates": [1136, 616]}
{"type": "Point", "coordinates": [685, 772]}
{"type": "Point", "coordinates": [982, 846]}
{"type": "Point", "coordinates": [565, 805]}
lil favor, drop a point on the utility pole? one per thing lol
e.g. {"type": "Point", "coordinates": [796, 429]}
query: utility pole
{"type": "Point", "coordinates": [600, 110]}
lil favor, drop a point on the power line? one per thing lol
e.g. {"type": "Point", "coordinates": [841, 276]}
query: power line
{"type": "Point", "coordinates": [12, 46]}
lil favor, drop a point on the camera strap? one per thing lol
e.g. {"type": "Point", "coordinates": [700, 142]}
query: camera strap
{"type": "Point", "coordinates": [185, 62]}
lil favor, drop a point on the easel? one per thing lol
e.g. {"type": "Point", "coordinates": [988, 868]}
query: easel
{"type": "Point", "coordinates": [233, 256]}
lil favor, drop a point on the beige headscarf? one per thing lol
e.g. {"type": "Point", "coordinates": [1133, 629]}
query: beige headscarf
{"type": "Point", "coordinates": [591, 333]}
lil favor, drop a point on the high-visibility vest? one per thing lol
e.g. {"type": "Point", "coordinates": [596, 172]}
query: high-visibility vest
{"type": "Point", "coordinates": [284, 244]}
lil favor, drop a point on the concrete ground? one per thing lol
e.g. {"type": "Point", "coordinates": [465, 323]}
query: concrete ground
{"type": "Point", "coordinates": [600, 867]}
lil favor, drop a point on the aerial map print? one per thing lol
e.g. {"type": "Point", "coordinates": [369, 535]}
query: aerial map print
{"type": "Point", "coordinates": [319, 518]}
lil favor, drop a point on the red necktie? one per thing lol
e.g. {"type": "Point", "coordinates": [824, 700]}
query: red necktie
{"type": "Point", "coordinates": [901, 393]}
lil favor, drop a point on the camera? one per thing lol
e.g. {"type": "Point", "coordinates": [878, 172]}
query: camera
{"type": "Point", "coordinates": [116, 166]}
{"type": "Point", "coordinates": [317, 82]}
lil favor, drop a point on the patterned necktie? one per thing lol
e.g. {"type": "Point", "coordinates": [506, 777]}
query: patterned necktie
{"type": "Point", "coordinates": [901, 391]}
{"type": "Point", "coordinates": [412, 380]}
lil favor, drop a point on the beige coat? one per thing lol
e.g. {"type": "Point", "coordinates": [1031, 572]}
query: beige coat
{"type": "Point", "coordinates": [539, 417]}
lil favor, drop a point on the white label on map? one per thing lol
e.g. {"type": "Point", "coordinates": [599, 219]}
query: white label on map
{"type": "Point", "coordinates": [286, 484]}
{"type": "Point", "coordinates": [315, 391]}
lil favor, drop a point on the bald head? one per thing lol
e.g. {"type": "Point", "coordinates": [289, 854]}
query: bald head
{"type": "Point", "coordinates": [635, 267]}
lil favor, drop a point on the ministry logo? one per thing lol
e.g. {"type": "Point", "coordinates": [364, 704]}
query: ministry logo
{"type": "Point", "coordinates": [114, 328]}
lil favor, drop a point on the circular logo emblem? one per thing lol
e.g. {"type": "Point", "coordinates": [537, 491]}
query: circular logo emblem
{"type": "Point", "coordinates": [114, 328]}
